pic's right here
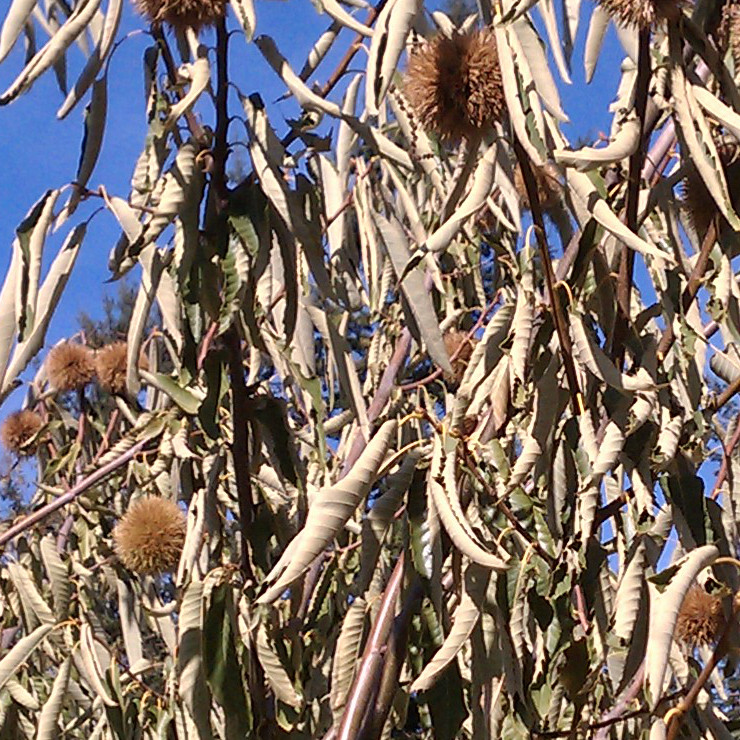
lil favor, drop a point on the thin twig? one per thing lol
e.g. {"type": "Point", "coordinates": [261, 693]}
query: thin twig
{"type": "Point", "coordinates": [196, 130]}
{"type": "Point", "coordinates": [581, 607]}
{"type": "Point", "coordinates": [617, 711]}
{"type": "Point", "coordinates": [206, 344]}
{"type": "Point", "coordinates": [726, 395]}
{"type": "Point", "coordinates": [63, 533]}
{"type": "Point", "coordinates": [727, 454]}
{"type": "Point", "coordinates": [558, 315]}
{"type": "Point", "coordinates": [501, 505]}
{"type": "Point", "coordinates": [471, 334]}
{"type": "Point", "coordinates": [105, 442]}
{"type": "Point", "coordinates": [383, 391]}
{"type": "Point", "coordinates": [604, 724]}
{"type": "Point", "coordinates": [692, 287]}
{"type": "Point", "coordinates": [341, 68]}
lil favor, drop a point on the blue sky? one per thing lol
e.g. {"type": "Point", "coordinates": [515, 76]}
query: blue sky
{"type": "Point", "coordinates": [41, 152]}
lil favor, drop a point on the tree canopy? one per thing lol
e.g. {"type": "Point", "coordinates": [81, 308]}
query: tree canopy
{"type": "Point", "coordinates": [418, 419]}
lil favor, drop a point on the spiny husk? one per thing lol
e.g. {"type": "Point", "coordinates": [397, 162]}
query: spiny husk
{"type": "Point", "coordinates": [698, 202]}
{"type": "Point", "coordinates": [181, 14]}
{"type": "Point", "coordinates": [18, 431]}
{"type": "Point", "coordinates": [642, 13]}
{"type": "Point", "coordinates": [458, 341]}
{"type": "Point", "coordinates": [454, 84]}
{"type": "Point", "coordinates": [701, 617]}
{"type": "Point", "coordinates": [70, 366]}
{"type": "Point", "coordinates": [150, 536]}
{"type": "Point", "coordinates": [111, 367]}
{"type": "Point", "coordinates": [548, 186]}
{"type": "Point", "coordinates": [729, 32]}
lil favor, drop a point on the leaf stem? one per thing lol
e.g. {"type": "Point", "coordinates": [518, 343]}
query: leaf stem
{"type": "Point", "coordinates": [692, 288]}
{"type": "Point", "coordinates": [341, 68]}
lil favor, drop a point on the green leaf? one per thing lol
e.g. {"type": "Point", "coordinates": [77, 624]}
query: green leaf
{"type": "Point", "coordinates": [447, 704]}
{"type": "Point", "coordinates": [21, 651]}
{"type": "Point", "coordinates": [56, 569]}
{"type": "Point", "coordinates": [48, 728]}
{"type": "Point", "coordinates": [221, 662]}
{"type": "Point", "coordinates": [217, 384]}
{"type": "Point", "coordinates": [243, 227]}
{"type": "Point", "coordinates": [188, 401]}
{"type": "Point", "coordinates": [332, 508]}
{"type": "Point", "coordinates": [685, 490]}
{"type": "Point", "coordinates": [192, 684]}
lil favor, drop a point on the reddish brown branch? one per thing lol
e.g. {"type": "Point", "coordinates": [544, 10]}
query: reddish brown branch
{"type": "Point", "coordinates": [344, 63]}
{"type": "Point", "coordinates": [692, 287]}
{"type": "Point", "coordinates": [366, 684]}
{"type": "Point", "coordinates": [723, 468]}
{"type": "Point", "coordinates": [395, 656]}
{"type": "Point", "coordinates": [67, 498]}
{"type": "Point", "coordinates": [616, 713]}
{"type": "Point", "coordinates": [471, 334]}
{"type": "Point", "coordinates": [558, 315]}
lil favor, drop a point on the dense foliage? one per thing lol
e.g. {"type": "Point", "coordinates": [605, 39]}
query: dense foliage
{"type": "Point", "coordinates": [407, 429]}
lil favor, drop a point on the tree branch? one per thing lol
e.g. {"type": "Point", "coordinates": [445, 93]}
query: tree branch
{"type": "Point", "coordinates": [395, 656]}
{"type": "Point", "coordinates": [558, 315]}
{"type": "Point", "coordinates": [727, 455]}
{"type": "Point", "coordinates": [365, 686]}
{"type": "Point", "coordinates": [617, 711]}
{"type": "Point", "coordinates": [341, 68]}
{"type": "Point", "coordinates": [692, 288]}
{"type": "Point", "coordinates": [67, 498]}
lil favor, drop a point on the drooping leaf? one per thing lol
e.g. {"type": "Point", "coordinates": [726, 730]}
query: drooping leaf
{"type": "Point", "coordinates": [96, 59]}
{"type": "Point", "coordinates": [412, 285]}
{"type": "Point", "coordinates": [16, 18]}
{"type": "Point", "coordinates": [275, 673]}
{"type": "Point", "coordinates": [58, 573]}
{"type": "Point", "coordinates": [346, 656]}
{"type": "Point", "coordinates": [331, 509]}
{"type": "Point", "coordinates": [21, 651]}
{"type": "Point", "coordinates": [386, 47]}
{"type": "Point", "coordinates": [221, 662]}
{"type": "Point", "coordinates": [190, 669]}
{"type": "Point", "coordinates": [52, 51]}
{"type": "Point", "coordinates": [664, 610]}
{"type": "Point", "coordinates": [48, 718]}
